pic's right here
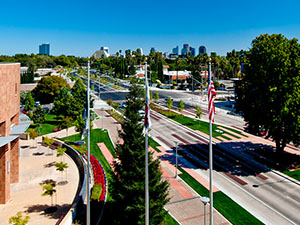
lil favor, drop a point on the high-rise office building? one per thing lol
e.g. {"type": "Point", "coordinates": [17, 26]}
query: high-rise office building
{"type": "Point", "coordinates": [44, 49]}
{"type": "Point", "coordinates": [185, 50]}
{"type": "Point", "coordinates": [140, 51]}
{"type": "Point", "coordinates": [152, 50]}
{"type": "Point", "coordinates": [102, 53]}
{"type": "Point", "coordinates": [176, 50]}
{"type": "Point", "coordinates": [202, 50]}
{"type": "Point", "coordinates": [192, 51]}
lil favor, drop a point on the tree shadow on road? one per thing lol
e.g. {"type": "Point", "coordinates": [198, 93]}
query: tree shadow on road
{"type": "Point", "coordinates": [39, 208]}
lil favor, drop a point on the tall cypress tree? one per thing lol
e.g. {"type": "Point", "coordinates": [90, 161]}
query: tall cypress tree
{"type": "Point", "coordinates": [128, 187]}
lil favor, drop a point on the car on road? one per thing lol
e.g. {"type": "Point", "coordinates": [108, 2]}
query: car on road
{"type": "Point", "coordinates": [166, 98]}
{"type": "Point", "coordinates": [122, 105]}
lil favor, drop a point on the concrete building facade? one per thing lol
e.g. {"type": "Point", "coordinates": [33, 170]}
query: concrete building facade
{"type": "Point", "coordinates": [9, 122]}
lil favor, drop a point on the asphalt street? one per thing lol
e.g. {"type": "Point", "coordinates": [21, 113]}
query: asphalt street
{"type": "Point", "coordinates": [270, 197]}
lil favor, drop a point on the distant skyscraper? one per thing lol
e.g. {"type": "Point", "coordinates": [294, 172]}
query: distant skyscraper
{"type": "Point", "coordinates": [102, 53]}
{"type": "Point", "coordinates": [152, 50]}
{"type": "Point", "coordinates": [192, 51]}
{"type": "Point", "coordinates": [140, 50]}
{"type": "Point", "coordinates": [185, 50]}
{"type": "Point", "coordinates": [106, 49]}
{"type": "Point", "coordinates": [176, 50]}
{"type": "Point", "coordinates": [202, 50]}
{"type": "Point", "coordinates": [44, 49]}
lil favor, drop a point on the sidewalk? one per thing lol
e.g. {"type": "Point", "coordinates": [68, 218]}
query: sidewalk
{"type": "Point", "coordinates": [26, 195]}
{"type": "Point", "coordinates": [184, 205]}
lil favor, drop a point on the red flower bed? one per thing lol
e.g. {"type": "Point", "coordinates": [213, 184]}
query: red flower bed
{"type": "Point", "coordinates": [99, 175]}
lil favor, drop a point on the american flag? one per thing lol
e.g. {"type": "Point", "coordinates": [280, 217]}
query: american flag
{"type": "Point", "coordinates": [211, 105]}
{"type": "Point", "coordinates": [147, 122]}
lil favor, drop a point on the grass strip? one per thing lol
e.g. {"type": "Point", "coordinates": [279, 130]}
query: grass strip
{"type": "Point", "coordinates": [195, 124]}
{"type": "Point", "coordinates": [154, 144]}
{"type": "Point", "coordinates": [233, 130]}
{"type": "Point", "coordinates": [169, 220]}
{"type": "Point", "coordinates": [224, 204]}
{"type": "Point", "coordinates": [294, 174]}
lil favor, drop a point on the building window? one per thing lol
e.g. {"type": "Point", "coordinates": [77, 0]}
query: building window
{"type": "Point", "coordinates": [16, 88]}
{"type": "Point", "coordinates": [2, 129]}
{"type": "Point", "coordinates": [8, 167]}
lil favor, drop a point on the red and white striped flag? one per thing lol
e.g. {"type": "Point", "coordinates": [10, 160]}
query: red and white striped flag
{"type": "Point", "coordinates": [147, 122]}
{"type": "Point", "coordinates": [211, 105]}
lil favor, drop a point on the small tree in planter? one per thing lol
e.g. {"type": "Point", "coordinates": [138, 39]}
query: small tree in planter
{"type": "Point", "coordinates": [198, 111]}
{"type": "Point", "coordinates": [60, 152]}
{"type": "Point", "coordinates": [156, 97]}
{"type": "Point", "coordinates": [181, 106]}
{"type": "Point", "coordinates": [18, 219]}
{"type": "Point", "coordinates": [32, 135]}
{"type": "Point", "coordinates": [169, 103]}
{"type": "Point", "coordinates": [48, 190]}
{"type": "Point", "coordinates": [48, 142]}
{"type": "Point", "coordinates": [67, 122]}
{"type": "Point", "coordinates": [61, 166]}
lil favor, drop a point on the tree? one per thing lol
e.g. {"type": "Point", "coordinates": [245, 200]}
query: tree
{"type": "Point", "coordinates": [169, 103]}
{"type": "Point", "coordinates": [29, 102]}
{"type": "Point", "coordinates": [39, 115]}
{"type": "Point", "coordinates": [156, 97]}
{"type": "Point", "coordinates": [60, 151]}
{"type": "Point", "coordinates": [67, 122]}
{"type": "Point", "coordinates": [198, 111]}
{"type": "Point", "coordinates": [61, 166]}
{"type": "Point", "coordinates": [79, 124]}
{"type": "Point", "coordinates": [32, 134]}
{"type": "Point", "coordinates": [128, 185]}
{"type": "Point", "coordinates": [160, 73]}
{"type": "Point", "coordinates": [48, 88]}
{"type": "Point", "coordinates": [269, 92]}
{"type": "Point", "coordinates": [180, 106]}
{"type": "Point", "coordinates": [18, 219]}
{"type": "Point", "coordinates": [48, 141]}
{"type": "Point", "coordinates": [48, 188]}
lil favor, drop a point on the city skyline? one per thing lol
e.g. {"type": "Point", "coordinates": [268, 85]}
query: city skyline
{"type": "Point", "coordinates": [74, 28]}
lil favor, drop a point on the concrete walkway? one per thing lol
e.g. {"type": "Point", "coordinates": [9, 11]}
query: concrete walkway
{"type": "Point", "coordinates": [36, 166]}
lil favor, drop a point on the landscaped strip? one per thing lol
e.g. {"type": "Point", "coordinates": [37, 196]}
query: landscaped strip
{"type": "Point", "coordinates": [225, 205]}
{"type": "Point", "coordinates": [294, 174]}
{"type": "Point", "coordinates": [196, 124]}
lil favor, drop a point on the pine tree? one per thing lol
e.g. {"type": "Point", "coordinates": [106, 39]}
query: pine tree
{"type": "Point", "coordinates": [128, 187]}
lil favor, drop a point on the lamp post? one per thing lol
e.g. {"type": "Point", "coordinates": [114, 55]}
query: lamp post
{"type": "Point", "coordinates": [204, 200]}
{"type": "Point", "coordinates": [176, 157]}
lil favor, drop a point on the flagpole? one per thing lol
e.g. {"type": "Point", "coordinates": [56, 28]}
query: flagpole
{"type": "Point", "coordinates": [210, 156]}
{"type": "Point", "coordinates": [88, 147]}
{"type": "Point", "coordinates": [146, 159]}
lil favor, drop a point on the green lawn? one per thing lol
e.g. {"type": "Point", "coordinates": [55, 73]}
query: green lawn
{"type": "Point", "coordinates": [97, 136]}
{"type": "Point", "coordinates": [51, 122]}
{"type": "Point", "coordinates": [294, 174]}
{"type": "Point", "coordinates": [225, 205]}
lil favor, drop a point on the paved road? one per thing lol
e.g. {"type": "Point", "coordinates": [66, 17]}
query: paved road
{"type": "Point", "coordinates": [270, 197]}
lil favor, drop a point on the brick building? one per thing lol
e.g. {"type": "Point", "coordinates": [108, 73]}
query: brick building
{"type": "Point", "coordinates": [10, 127]}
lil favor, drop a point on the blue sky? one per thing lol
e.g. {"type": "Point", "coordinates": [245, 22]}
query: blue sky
{"type": "Point", "coordinates": [81, 27]}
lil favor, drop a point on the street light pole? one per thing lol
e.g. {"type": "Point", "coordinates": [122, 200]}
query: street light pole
{"type": "Point", "coordinates": [204, 200]}
{"type": "Point", "coordinates": [192, 87]}
{"type": "Point", "coordinates": [176, 156]}
{"type": "Point", "coordinates": [88, 145]}
{"type": "Point", "coordinates": [201, 86]}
